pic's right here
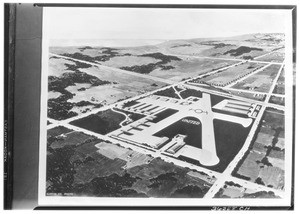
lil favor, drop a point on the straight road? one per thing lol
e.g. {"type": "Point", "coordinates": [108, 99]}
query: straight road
{"type": "Point", "coordinates": [230, 96]}
{"type": "Point", "coordinates": [221, 177]}
{"type": "Point", "coordinates": [227, 173]}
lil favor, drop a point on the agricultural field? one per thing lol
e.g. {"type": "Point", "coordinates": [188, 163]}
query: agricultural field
{"type": "Point", "coordinates": [233, 190]}
{"type": "Point", "coordinates": [232, 74]}
{"type": "Point", "coordinates": [261, 81]}
{"type": "Point", "coordinates": [273, 57]}
{"type": "Point", "coordinates": [280, 85]}
{"type": "Point", "coordinates": [80, 169]}
{"type": "Point", "coordinates": [57, 131]}
{"type": "Point", "coordinates": [277, 100]}
{"type": "Point", "coordinates": [264, 161]}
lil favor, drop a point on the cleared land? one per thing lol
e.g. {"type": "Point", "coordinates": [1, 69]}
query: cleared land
{"type": "Point", "coordinates": [260, 81]}
{"type": "Point", "coordinates": [273, 57]}
{"type": "Point", "coordinates": [128, 61]}
{"type": "Point", "coordinates": [190, 67]}
{"type": "Point", "coordinates": [76, 88]}
{"type": "Point", "coordinates": [280, 85]}
{"type": "Point", "coordinates": [232, 74]}
{"type": "Point", "coordinates": [58, 66]}
{"type": "Point", "coordinates": [277, 100]}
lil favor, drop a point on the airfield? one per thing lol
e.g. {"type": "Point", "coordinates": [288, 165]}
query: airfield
{"type": "Point", "coordinates": [172, 120]}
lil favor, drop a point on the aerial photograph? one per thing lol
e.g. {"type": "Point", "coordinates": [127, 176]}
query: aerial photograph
{"type": "Point", "coordinates": [157, 103]}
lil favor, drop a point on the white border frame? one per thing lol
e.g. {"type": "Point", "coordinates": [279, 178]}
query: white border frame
{"type": "Point", "coordinates": [103, 201]}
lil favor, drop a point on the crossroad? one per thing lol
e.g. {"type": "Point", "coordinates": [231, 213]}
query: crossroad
{"type": "Point", "coordinates": [221, 178]}
{"type": "Point", "coordinates": [227, 174]}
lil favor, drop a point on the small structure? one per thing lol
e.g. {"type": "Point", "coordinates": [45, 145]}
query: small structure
{"type": "Point", "coordinates": [177, 143]}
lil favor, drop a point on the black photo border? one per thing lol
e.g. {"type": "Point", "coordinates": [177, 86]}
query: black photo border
{"type": "Point", "coordinates": [23, 98]}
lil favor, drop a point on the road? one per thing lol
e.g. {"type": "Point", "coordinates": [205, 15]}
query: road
{"type": "Point", "coordinates": [126, 116]}
{"type": "Point", "coordinates": [221, 177]}
{"type": "Point", "coordinates": [245, 77]}
{"type": "Point", "coordinates": [274, 84]}
{"type": "Point", "coordinates": [254, 92]}
{"type": "Point", "coordinates": [228, 171]}
{"type": "Point", "coordinates": [263, 103]}
{"type": "Point", "coordinates": [137, 148]}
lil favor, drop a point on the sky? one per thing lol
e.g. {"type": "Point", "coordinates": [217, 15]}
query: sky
{"type": "Point", "coordinates": [147, 25]}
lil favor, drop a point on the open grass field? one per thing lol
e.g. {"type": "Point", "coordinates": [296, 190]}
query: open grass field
{"type": "Point", "coordinates": [277, 100]}
{"type": "Point", "coordinates": [232, 74]}
{"type": "Point", "coordinates": [272, 177]}
{"type": "Point", "coordinates": [190, 67]}
{"type": "Point", "coordinates": [273, 57]}
{"type": "Point", "coordinates": [75, 88]}
{"type": "Point", "coordinates": [70, 139]}
{"type": "Point", "coordinates": [260, 81]}
{"type": "Point", "coordinates": [124, 61]}
{"type": "Point", "coordinates": [280, 85]}
{"type": "Point", "coordinates": [250, 168]}
{"type": "Point", "coordinates": [57, 131]}
{"type": "Point", "coordinates": [274, 121]}
{"type": "Point", "coordinates": [102, 123]}
{"type": "Point", "coordinates": [136, 84]}
{"type": "Point", "coordinates": [53, 94]}
{"type": "Point", "coordinates": [57, 66]}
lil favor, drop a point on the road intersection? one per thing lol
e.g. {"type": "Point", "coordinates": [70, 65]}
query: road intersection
{"type": "Point", "coordinates": [221, 177]}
